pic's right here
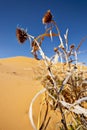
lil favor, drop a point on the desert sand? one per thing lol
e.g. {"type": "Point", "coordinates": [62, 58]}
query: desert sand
{"type": "Point", "coordinates": [17, 88]}
{"type": "Point", "coordinates": [18, 85]}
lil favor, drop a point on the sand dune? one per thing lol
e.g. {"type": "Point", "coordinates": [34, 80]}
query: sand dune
{"type": "Point", "coordinates": [17, 88]}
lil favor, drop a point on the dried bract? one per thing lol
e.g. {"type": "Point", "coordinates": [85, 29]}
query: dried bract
{"type": "Point", "coordinates": [72, 46]}
{"type": "Point", "coordinates": [21, 35]}
{"type": "Point", "coordinates": [47, 17]}
{"type": "Point", "coordinates": [34, 46]}
{"type": "Point", "coordinates": [55, 49]}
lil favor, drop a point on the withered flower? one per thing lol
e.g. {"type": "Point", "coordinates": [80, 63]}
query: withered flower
{"type": "Point", "coordinates": [55, 49]}
{"type": "Point", "coordinates": [21, 35]}
{"type": "Point", "coordinates": [72, 46]}
{"type": "Point", "coordinates": [47, 17]}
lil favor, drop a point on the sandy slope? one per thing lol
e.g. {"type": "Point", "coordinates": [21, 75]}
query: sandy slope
{"type": "Point", "coordinates": [17, 88]}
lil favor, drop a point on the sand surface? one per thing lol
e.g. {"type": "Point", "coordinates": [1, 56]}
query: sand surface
{"type": "Point", "coordinates": [17, 88]}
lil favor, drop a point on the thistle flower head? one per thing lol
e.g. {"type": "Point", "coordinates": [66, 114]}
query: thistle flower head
{"type": "Point", "coordinates": [47, 17]}
{"type": "Point", "coordinates": [72, 46]}
{"type": "Point", "coordinates": [55, 49]}
{"type": "Point", "coordinates": [21, 35]}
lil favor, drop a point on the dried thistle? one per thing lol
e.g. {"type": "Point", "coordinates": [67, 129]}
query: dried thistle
{"type": "Point", "coordinates": [65, 88]}
{"type": "Point", "coordinates": [55, 49]}
{"type": "Point", "coordinates": [21, 35]}
{"type": "Point", "coordinates": [72, 46]}
{"type": "Point", "coordinates": [47, 17]}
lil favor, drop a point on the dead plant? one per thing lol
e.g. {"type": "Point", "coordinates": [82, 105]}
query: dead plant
{"type": "Point", "coordinates": [65, 84]}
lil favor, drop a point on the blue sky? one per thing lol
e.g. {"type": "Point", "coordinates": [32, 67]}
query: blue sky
{"type": "Point", "coordinates": [71, 14]}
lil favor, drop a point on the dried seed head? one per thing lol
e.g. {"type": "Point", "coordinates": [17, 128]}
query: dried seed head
{"type": "Point", "coordinates": [47, 17]}
{"type": "Point", "coordinates": [72, 46]}
{"type": "Point", "coordinates": [61, 46]}
{"type": "Point", "coordinates": [21, 35]}
{"type": "Point", "coordinates": [55, 49]}
{"type": "Point", "coordinates": [48, 77]}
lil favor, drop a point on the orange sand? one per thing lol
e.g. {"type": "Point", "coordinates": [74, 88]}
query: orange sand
{"type": "Point", "coordinates": [17, 88]}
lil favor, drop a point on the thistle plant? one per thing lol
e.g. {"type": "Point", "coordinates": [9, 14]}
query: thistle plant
{"type": "Point", "coordinates": [64, 85]}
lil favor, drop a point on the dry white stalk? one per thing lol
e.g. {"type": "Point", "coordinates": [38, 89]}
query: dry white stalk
{"type": "Point", "coordinates": [61, 41]}
{"type": "Point", "coordinates": [66, 58]}
{"type": "Point", "coordinates": [81, 100]}
{"type": "Point", "coordinates": [45, 60]}
{"type": "Point", "coordinates": [79, 110]}
{"type": "Point", "coordinates": [66, 80]}
{"type": "Point", "coordinates": [76, 59]}
{"type": "Point", "coordinates": [52, 97]}
{"type": "Point", "coordinates": [42, 53]}
{"type": "Point", "coordinates": [60, 38]}
{"type": "Point", "coordinates": [40, 50]}
{"type": "Point", "coordinates": [51, 35]}
{"type": "Point", "coordinates": [79, 127]}
{"type": "Point", "coordinates": [66, 39]}
{"type": "Point", "coordinates": [77, 101]}
{"type": "Point", "coordinates": [75, 107]}
{"type": "Point", "coordinates": [30, 41]}
{"type": "Point", "coordinates": [55, 59]}
{"type": "Point", "coordinates": [60, 55]}
{"type": "Point", "coordinates": [30, 108]}
{"type": "Point", "coordinates": [66, 35]}
{"type": "Point", "coordinates": [85, 81]}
